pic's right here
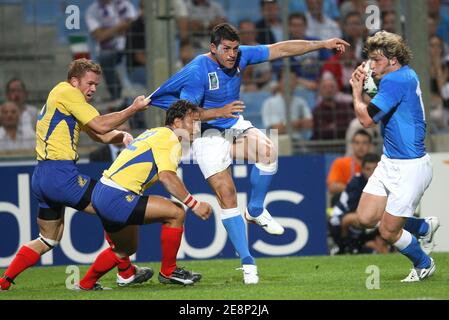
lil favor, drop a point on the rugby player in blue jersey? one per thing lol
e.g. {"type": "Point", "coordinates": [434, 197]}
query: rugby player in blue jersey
{"type": "Point", "coordinates": [212, 81]}
{"type": "Point", "coordinates": [405, 171]}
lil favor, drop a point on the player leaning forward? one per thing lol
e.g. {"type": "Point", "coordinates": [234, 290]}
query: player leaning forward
{"type": "Point", "coordinates": [56, 181]}
{"type": "Point", "coordinates": [405, 171]}
{"type": "Point", "coordinates": [212, 80]}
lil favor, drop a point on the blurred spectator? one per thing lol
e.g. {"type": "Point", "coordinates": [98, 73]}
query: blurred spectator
{"type": "Point", "coordinates": [319, 24]}
{"type": "Point", "coordinates": [203, 15]}
{"type": "Point", "coordinates": [257, 76]}
{"type": "Point", "coordinates": [439, 116]}
{"type": "Point", "coordinates": [341, 66]}
{"type": "Point", "coordinates": [356, 5]}
{"type": "Point", "coordinates": [374, 132]}
{"type": "Point", "coordinates": [109, 152]}
{"type": "Point", "coordinates": [344, 168]}
{"type": "Point", "coordinates": [17, 92]}
{"type": "Point", "coordinates": [343, 226]}
{"type": "Point", "coordinates": [186, 54]}
{"type": "Point", "coordinates": [438, 68]}
{"type": "Point", "coordinates": [12, 136]}
{"type": "Point", "coordinates": [441, 20]}
{"type": "Point", "coordinates": [182, 19]}
{"type": "Point", "coordinates": [270, 26]}
{"type": "Point", "coordinates": [354, 32]}
{"type": "Point", "coordinates": [306, 66]}
{"type": "Point", "coordinates": [135, 49]}
{"type": "Point", "coordinates": [330, 7]}
{"type": "Point", "coordinates": [274, 112]}
{"type": "Point", "coordinates": [108, 21]}
{"type": "Point", "coordinates": [331, 116]}
{"type": "Point", "coordinates": [389, 21]}
{"type": "Point", "coordinates": [386, 6]}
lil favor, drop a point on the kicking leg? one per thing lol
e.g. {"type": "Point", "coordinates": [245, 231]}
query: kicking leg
{"type": "Point", "coordinates": [257, 148]}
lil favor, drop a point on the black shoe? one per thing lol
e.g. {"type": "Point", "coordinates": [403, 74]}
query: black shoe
{"type": "Point", "coordinates": [142, 274]}
{"type": "Point", "coordinates": [180, 276]}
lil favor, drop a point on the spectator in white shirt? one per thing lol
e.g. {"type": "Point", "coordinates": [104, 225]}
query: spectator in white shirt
{"type": "Point", "coordinates": [320, 25]}
{"type": "Point", "coordinates": [108, 21]}
{"type": "Point", "coordinates": [274, 112]}
{"type": "Point", "coordinates": [17, 92]}
{"type": "Point", "coordinates": [12, 136]}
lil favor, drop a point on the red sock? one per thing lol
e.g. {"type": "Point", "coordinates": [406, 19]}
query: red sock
{"type": "Point", "coordinates": [170, 242]}
{"type": "Point", "coordinates": [105, 261]}
{"type": "Point", "coordinates": [125, 268]}
{"type": "Point", "coordinates": [24, 259]}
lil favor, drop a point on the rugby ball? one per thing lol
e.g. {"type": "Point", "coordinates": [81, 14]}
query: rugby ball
{"type": "Point", "coordinates": [369, 84]}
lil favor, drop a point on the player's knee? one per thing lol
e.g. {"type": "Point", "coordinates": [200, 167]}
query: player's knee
{"type": "Point", "coordinates": [177, 214]}
{"type": "Point", "coordinates": [387, 233]}
{"type": "Point", "coordinates": [227, 196]}
{"type": "Point", "coordinates": [50, 243]}
{"type": "Point", "coordinates": [365, 221]}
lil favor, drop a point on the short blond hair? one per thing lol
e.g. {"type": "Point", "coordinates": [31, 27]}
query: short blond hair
{"type": "Point", "coordinates": [79, 67]}
{"type": "Point", "coordinates": [391, 45]}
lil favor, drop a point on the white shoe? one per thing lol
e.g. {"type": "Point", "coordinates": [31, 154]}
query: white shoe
{"type": "Point", "coordinates": [420, 274]}
{"type": "Point", "coordinates": [428, 241]}
{"type": "Point", "coordinates": [266, 221]}
{"type": "Point", "coordinates": [250, 275]}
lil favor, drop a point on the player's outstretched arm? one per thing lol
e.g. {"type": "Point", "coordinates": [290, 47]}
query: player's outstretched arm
{"type": "Point", "coordinates": [108, 122]}
{"type": "Point", "coordinates": [297, 47]}
{"type": "Point", "coordinates": [360, 107]}
{"type": "Point", "coordinates": [228, 111]}
{"type": "Point", "coordinates": [176, 188]}
{"type": "Point", "coordinates": [114, 136]}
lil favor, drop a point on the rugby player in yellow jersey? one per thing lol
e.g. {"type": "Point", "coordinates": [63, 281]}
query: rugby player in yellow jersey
{"type": "Point", "coordinates": [56, 181]}
{"type": "Point", "coordinates": [119, 201]}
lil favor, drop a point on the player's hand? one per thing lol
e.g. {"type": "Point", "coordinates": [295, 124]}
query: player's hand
{"type": "Point", "coordinates": [337, 44]}
{"type": "Point", "coordinates": [127, 138]}
{"type": "Point", "coordinates": [141, 103]}
{"type": "Point", "coordinates": [204, 210]}
{"type": "Point", "coordinates": [228, 110]}
{"type": "Point", "coordinates": [357, 78]}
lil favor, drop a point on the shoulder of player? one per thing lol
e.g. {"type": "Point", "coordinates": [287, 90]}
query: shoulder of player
{"type": "Point", "coordinates": [399, 76]}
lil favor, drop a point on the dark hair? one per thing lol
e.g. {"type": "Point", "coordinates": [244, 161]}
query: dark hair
{"type": "Point", "coordinates": [363, 132]}
{"type": "Point", "coordinates": [180, 109]}
{"type": "Point", "coordinates": [370, 158]}
{"type": "Point", "coordinates": [79, 67]}
{"type": "Point", "coordinates": [8, 84]}
{"type": "Point", "coordinates": [297, 15]}
{"type": "Point", "coordinates": [224, 31]}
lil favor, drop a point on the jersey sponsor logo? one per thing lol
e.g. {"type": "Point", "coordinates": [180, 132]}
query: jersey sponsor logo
{"type": "Point", "coordinates": [82, 182]}
{"type": "Point", "coordinates": [130, 197]}
{"type": "Point", "coordinates": [214, 84]}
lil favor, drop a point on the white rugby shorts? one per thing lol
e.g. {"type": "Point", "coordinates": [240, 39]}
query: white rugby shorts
{"type": "Point", "coordinates": [212, 151]}
{"type": "Point", "coordinates": [403, 181]}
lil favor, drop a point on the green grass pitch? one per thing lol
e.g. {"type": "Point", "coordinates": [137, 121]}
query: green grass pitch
{"type": "Point", "coordinates": [323, 277]}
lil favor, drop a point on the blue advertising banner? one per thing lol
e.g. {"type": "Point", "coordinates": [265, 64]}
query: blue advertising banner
{"type": "Point", "coordinates": [297, 199]}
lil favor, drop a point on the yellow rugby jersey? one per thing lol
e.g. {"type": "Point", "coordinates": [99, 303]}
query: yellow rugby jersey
{"type": "Point", "coordinates": [137, 166]}
{"type": "Point", "coordinates": [59, 123]}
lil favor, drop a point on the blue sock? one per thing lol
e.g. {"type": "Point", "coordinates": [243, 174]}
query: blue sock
{"type": "Point", "coordinates": [416, 226]}
{"type": "Point", "coordinates": [235, 226]}
{"type": "Point", "coordinates": [260, 182]}
{"type": "Point", "coordinates": [412, 250]}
